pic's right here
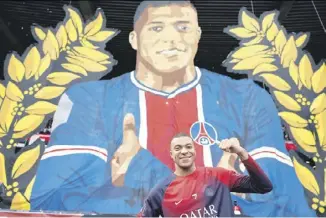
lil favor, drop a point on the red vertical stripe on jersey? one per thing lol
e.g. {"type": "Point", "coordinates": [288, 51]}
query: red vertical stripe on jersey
{"type": "Point", "coordinates": [165, 118]}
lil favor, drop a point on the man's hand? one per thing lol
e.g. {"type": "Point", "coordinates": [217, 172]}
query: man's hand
{"type": "Point", "coordinates": [126, 151]}
{"type": "Point", "coordinates": [232, 145]}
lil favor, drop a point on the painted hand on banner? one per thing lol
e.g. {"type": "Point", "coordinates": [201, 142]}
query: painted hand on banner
{"type": "Point", "coordinates": [126, 151]}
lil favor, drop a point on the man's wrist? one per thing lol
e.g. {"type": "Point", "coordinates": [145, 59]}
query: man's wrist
{"type": "Point", "coordinates": [243, 155]}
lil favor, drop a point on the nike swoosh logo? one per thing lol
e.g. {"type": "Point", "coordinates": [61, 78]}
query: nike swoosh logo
{"type": "Point", "coordinates": [176, 203]}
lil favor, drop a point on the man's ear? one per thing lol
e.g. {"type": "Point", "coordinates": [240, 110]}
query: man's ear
{"type": "Point", "coordinates": [133, 40]}
{"type": "Point", "coordinates": [199, 33]}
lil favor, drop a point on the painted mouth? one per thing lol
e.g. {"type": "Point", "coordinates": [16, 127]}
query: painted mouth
{"type": "Point", "coordinates": [170, 52]}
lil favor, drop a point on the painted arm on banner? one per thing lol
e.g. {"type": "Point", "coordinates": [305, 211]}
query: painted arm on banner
{"type": "Point", "coordinates": [75, 160]}
{"type": "Point", "coordinates": [264, 142]}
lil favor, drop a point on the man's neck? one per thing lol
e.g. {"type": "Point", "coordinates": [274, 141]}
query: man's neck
{"type": "Point", "coordinates": [184, 172]}
{"type": "Point", "coordinates": [166, 82]}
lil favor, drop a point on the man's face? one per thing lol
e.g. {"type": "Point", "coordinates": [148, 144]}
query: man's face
{"type": "Point", "coordinates": [166, 38]}
{"type": "Point", "coordinates": [183, 152]}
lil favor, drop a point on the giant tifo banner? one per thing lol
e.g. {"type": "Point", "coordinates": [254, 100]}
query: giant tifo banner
{"type": "Point", "coordinates": [110, 139]}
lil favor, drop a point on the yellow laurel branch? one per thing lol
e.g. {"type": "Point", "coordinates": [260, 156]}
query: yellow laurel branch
{"type": "Point", "coordinates": [272, 32]}
{"type": "Point", "coordinates": [2, 134]}
{"type": "Point", "coordinates": [276, 81]}
{"type": "Point", "coordinates": [89, 65]}
{"type": "Point", "coordinates": [25, 162]}
{"type": "Point", "coordinates": [3, 176]}
{"type": "Point", "coordinates": [293, 119]}
{"type": "Point", "coordinates": [252, 62]}
{"type": "Point", "coordinates": [32, 62]}
{"type": "Point", "coordinates": [305, 71]}
{"type": "Point", "coordinates": [294, 73]}
{"type": "Point", "coordinates": [16, 69]}
{"type": "Point", "coordinates": [62, 78]}
{"type": "Point", "coordinates": [268, 21]}
{"type": "Point", "coordinates": [44, 65]}
{"type": "Point", "coordinates": [280, 41]}
{"type": "Point", "coordinates": [28, 191]}
{"type": "Point", "coordinates": [13, 92]}
{"type": "Point", "coordinates": [250, 22]}
{"type": "Point", "coordinates": [71, 30]}
{"type": "Point", "coordinates": [319, 104]}
{"type": "Point", "coordinates": [91, 54]}
{"type": "Point", "coordinates": [6, 114]}
{"type": "Point", "coordinates": [41, 108]}
{"type": "Point", "coordinates": [51, 45]}
{"type": "Point", "coordinates": [321, 130]}
{"type": "Point", "coordinates": [249, 51]}
{"type": "Point", "coordinates": [77, 20]}
{"type": "Point", "coordinates": [87, 44]}
{"type": "Point", "coordinates": [2, 91]}
{"type": "Point", "coordinates": [39, 33]}
{"type": "Point", "coordinates": [105, 62]}
{"type": "Point", "coordinates": [94, 26]}
{"type": "Point", "coordinates": [287, 101]}
{"type": "Point", "coordinates": [101, 36]}
{"type": "Point", "coordinates": [301, 40]}
{"type": "Point", "coordinates": [26, 125]}
{"type": "Point", "coordinates": [74, 68]}
{"type": "Point", "coordinates": [19, 203]}
{"type": "Point", "coordinates": [306, 177]}
{"type": "Point", "coordinates": [289, 53]}
{"type": "Point", "coordinates": [254, 41]}
{"type": "Point", "coordinates": [319, 80]}
{"type": "Point", "coordinates": [62, 36]}
{"type": "Point", "coordinates": [242, 32]}
{"type": "Point", "coordinates": [304, 138]}
{"type": "Point", "coordinates": [49, 92]}
{"type": "Point", "coordinates": [264, 68]}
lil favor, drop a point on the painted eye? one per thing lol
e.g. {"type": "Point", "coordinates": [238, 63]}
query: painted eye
{"type": "Point", "coordinates": [156, 28]}
{"type": "Point", "coordinates": [183, 28]}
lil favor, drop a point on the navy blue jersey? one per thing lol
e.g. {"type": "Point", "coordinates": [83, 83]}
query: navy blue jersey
{"type": "Point", "coordinates": [204, 193]}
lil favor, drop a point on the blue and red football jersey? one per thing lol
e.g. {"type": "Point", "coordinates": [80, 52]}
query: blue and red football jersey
{"type": "Point", "coordinates": [204, 193]}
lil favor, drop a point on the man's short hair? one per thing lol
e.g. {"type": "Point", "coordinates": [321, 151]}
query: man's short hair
{"type": "Point", "coordinates": [181, 134]}
{"type": "Point", "coordinates": [146, 4]}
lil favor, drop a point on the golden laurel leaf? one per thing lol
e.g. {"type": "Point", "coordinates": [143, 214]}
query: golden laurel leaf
{"type": "Point", "coordinates": [249, 51]}
{"type": "Point", "coordinates": [289, 53]}
{"type": "Point", "coordinates": [51, 46]}
{"type": "Point", "coordinates": [71, 30]}
{"type": "Point", "coordinates": [293, 119]}
{"type": "Point", "coordinates": [287, 101]}
{"type": "Point", "coordinates": [3, 176]}
{"type": "Point", "coordinates": [268, 21]}
{"type": "Point", "coordinates": [41, 108]}
{"type": "Point", "coordinates": [39, 32]}
{"type": "Point", "coordinates": [321, 130]}
{"type": "Point", "coordinates": [249, 22]}
{"type": "Point", "coordinates": [280, 41]}
{"type": "Point", "coordinates": [305, 71]}
{"type": "Point", "coordinates": [49, 92]}
{"type": "Point", "coordinates": [75, 68]}
{"type": "Point", "coordinates": [254, 41]}
{"type": "Point", "coordinates": [91, 54]}
{"type": "Point", "coordinates": [76, 19]}
{"type": "Point", "coordinates": [319, 80]}
{"type": "Point", "coordinates": [300, 41]}
{"type": "Point", "coordinates": [319, 104]}
{"type": "Point", "coordinates": [276, 81]}
{"type": "Point", "coordinates": [89, 65]}
{"type": "Point", "coordinates": [19, 203]}
{"type": "Point", "coordinates": [32, 62]}
{"type": "Point", "coordinates": [2, 134]}
{"type": "Point", "coordinates": [241, 32]}
{"type": "Point", "coordinates": [62, 36]}
{"type": "Point", "coordinates": [28, 191]}
{"type": "Point", "coordinates": [304, 138]}
{"type": "Point", "coordinates": [26, 125]}
{"type": "Point", "coordinates": [87, 44]}
{"type": "Point", "coordinates": [101, 36]}
{"type": "Point", "coordinates": [25, 162]}
{"type": "Point", "coordinates": [16, 69]}
{"type": "Point", "coordinates": [2, 90]}
{"type": "Point", "coordinates": [294, 72]}
{"type": "Point", "coordinates": [233, 61]}
{"type": "Point", "coordinates": [94, 26]}
{"type": "Point", "coordinates": [272, 32]}
{"type": "Point", "coordinates": [105, 62]}
{"type": "Point", "coordinates": [6, 114]}
{"type": "Point", "coordinates": [306, 177]}
{"type": "Point", "coordinates": [13, 92]}
{"type": "Point", "coordinates": [264, 68]}
{"type": "Point", "coordinates": [44, 65]}
{"type": "Point", "coordinates": [62, 78]}
{"type": "Point", "coordinates": [252, 62]}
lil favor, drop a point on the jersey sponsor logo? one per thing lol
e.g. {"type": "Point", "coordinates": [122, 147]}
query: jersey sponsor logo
{"type": "Point", "coordinates": [209, 211]}
{"type": "Point", "coordinates": [203, 133]}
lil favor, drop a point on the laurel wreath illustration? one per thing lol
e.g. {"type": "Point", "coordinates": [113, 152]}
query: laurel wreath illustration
{"type": "Point", "coordinates": [74, 52]}
{"type": "Point", "coordinates": [269, 54]}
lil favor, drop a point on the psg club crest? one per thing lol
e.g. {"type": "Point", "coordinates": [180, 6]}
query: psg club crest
{"type": "Point", "coordinates": [203, 133]}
